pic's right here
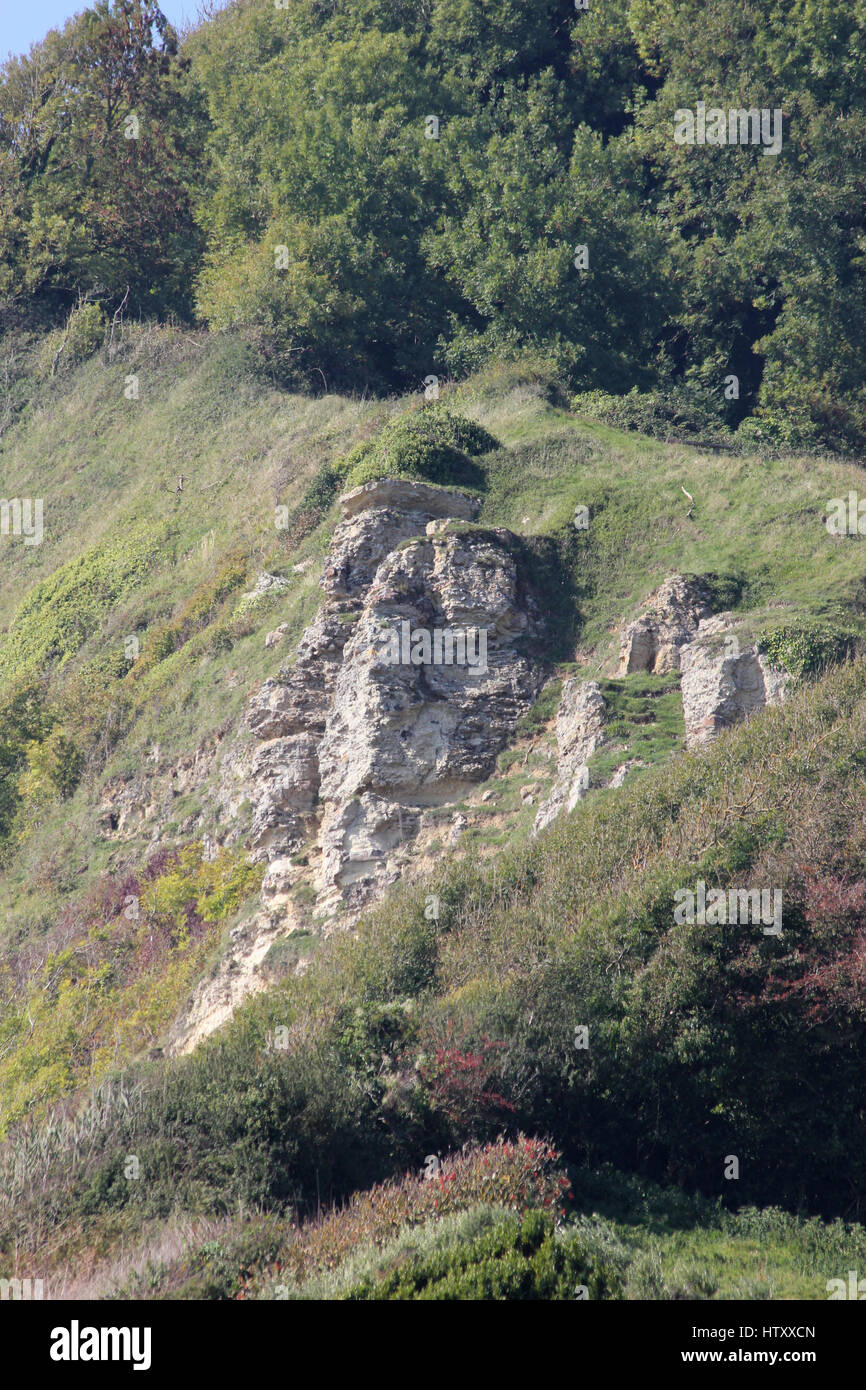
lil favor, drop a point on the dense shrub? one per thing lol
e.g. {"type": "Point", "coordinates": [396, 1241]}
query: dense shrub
{"type": "Point", "coordinates": [461, 1078]}
{"type": "Point", "coordinates": [66, 348]}
{"type": "Point", "coordinates": [40, 757]}
{"type": "Point", "coordinates": [679, 413]}
{"type": "Point", "coordinates": [802, 649]}
{"type": "Point", "coordinates": [54, 767]}
{"type": "Point", "coordinates": [430, 444]}
{"type": "Point", "coordinates": [282, 181]}
{"type": "Point", "coordinates": [515, 1260]}
{"type": "Point", "coordinates": [517, 1175]}
{"type": "Point", "coordinates": [24, 720]}
{"type": "Point", "coordinates": [55, 619]}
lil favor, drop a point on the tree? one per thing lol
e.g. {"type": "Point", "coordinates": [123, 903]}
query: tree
{"type": "Point", "coordinates": [549, 248]}
{"type": "Point", "coordinates": [102, 136]}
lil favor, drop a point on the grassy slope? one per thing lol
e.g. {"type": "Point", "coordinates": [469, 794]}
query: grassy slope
{"type": "Point", "coordinates": [106, 466]}
{"type": "Point", "coordinates": [761, 519]}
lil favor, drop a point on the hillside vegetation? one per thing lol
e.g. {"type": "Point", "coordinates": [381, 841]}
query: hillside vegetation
{"type": "Point", "coordinates": [241, 273]}
{"type": "Point", "coordinates": [420, 1036]}
{"type": "Point", "coordinates": [375, 191]}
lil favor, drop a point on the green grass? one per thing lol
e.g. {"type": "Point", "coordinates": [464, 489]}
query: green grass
{"type": "Point", "coordinates": [543, 709]}
{"type": "Point", "coordinates": [643, 719]}
{"type": "Point", "coordinates": [759, 519]}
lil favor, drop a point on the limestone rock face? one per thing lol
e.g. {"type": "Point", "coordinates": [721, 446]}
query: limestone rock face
{"type": "Point", "coordinates": [285, 773]}
{"type": "Point", "coordinates": [579, 732]}
{"type": "Point", "coordinates": [273, 639]}
{"type": "Point", "coordinates": [406, 496]}
{"type": "Point", "coordinates": [236, 977]}
{"type": "Point", "coordinates": [404, 690]}
{"type": "Point", "coordinates": [724, 680]}
{"type": "Point", "coordinates": [653, 642]}
{"type": "Point", "coordinates": [288, 715]}
{"type": "Point", "coordinates": [378, 516]}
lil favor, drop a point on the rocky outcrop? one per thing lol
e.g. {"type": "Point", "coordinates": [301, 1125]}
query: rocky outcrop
{"type": "Point", "coordinates": [579, 732]}
{"type": "Point", "coordinates": [379, 722]}
{"type": "Point", "coordinates": [377, 517]}
{"type": "Point", "coordinates": [654, 641]}
{"type": "Point", "coordinates": [403, 691]}
{"type": "Point", "coordinates": [288, 717]}
{"type": "Point", "coordinates": [267, 585]}
{"type": "Point", "coordinates": [409, 498]}
{"type": "Point", "coordinates": [724, 679]}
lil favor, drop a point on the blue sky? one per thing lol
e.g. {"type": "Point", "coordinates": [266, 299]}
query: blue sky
{"type": "Point", "coordinates": [23, 22]}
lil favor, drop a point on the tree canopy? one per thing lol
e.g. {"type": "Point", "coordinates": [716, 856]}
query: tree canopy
{"type": "Point", "coordinates": [372, 190]}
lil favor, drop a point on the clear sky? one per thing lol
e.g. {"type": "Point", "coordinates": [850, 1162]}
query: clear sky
{"type": "Point", "coordinates": [23, 22]}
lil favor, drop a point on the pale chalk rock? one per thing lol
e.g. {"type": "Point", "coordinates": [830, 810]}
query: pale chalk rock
{"type": "Point", "coordinates": [272, 639]}
{"type": "Point", "coordinates": [724, 680]}
{"type": "Point", "coordinates": [653, 642]}
{"type": "Point", "coordinates": [285, 774]}
{"type": "Point", "coordinates": [377, 518]}
{"type": "Point", "coordinates": [266, 584]}
{"type": "Point", "coordinates": [579, 732]}
{"type": "Point", "coordinates": [623, 770]}
{"type": "Point", "coordinates": [277, 882]}
{"type": "Point", "coordinates": [406, 496]}
{"type": "Point", "coordinates": [419, 736]}
{"type": "Point", "coordinates": [353, 745]}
